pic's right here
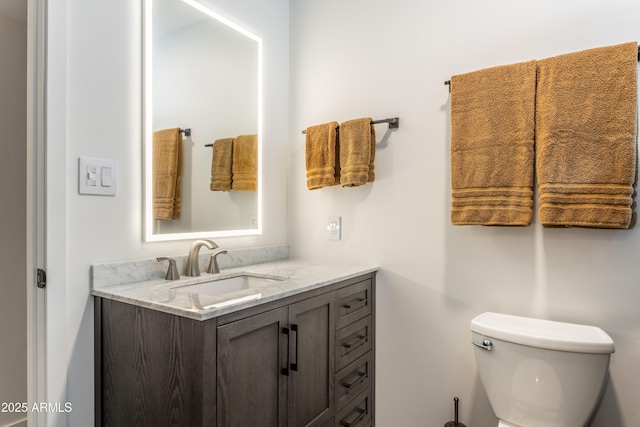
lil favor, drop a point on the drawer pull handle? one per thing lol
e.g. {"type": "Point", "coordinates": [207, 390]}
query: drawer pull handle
{"type": "Point", "coordinates": [285, 371]}
{"type": "Point", "coordinates": [361, 377]}
{"type": "Point", "coordinates": [349, 305]}
{"type": "Point", "coordinates": [352, 346]}
{"type": "Point", "coordinates": [295, 366]}
{"type": "Point", "coordinates": [362, 412]}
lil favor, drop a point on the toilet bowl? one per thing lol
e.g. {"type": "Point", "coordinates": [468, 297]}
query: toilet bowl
{"type": "Point", "coordinates": [540, 373]}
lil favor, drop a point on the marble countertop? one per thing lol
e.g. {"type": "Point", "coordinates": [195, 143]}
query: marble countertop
{"type": "Point", "coordinates": [290, 277]}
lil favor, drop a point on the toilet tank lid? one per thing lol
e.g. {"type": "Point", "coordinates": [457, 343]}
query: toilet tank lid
{"type": "Point", "coordinates": [540, 333]}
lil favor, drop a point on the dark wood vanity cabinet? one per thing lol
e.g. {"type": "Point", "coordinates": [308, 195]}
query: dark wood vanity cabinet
{"type": "Point", "coordinates": [275, 369]}
{"type": "Point", "coordinates": [303, 361]}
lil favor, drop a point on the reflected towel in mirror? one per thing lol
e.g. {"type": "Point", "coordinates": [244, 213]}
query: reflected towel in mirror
{"type": "Point", "coordinates": [245, 163]}
{"type": "Point", "coordinates": [167, 174]}
{"type": "Point", "coordinates": [221, 165]}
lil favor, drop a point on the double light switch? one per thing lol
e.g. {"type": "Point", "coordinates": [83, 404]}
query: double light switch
{"type": "Point", "coordinates": [97, 176]}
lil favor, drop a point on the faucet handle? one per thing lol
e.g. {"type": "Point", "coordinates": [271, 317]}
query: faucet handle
{"type": "Point", "coordinates": [213, 263]}
{"type": "Point", "coordinates": [172, 272]}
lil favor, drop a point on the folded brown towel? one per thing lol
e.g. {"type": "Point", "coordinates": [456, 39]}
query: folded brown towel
{"type": "Point", "coordinates": [586, 135]}
{"type": "Point", "coordinates": [320, 152]}
{"type": "Point", "coordinates": [357, 152]}
{"type": "Point", "coordinates": [245, 163]}
{"type": "Point", "coordinates": [492, 145]}
{"type": "Point", "coordinates": [221, 161]}
{"type": "Point", "coordinates": [167, 173]}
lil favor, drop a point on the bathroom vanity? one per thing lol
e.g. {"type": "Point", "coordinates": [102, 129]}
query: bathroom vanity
{"type": "Point", "coordinates": [300, 354]}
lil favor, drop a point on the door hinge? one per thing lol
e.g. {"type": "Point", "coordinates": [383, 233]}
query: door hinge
{"type": "Point", "coordinates": [41, 278]}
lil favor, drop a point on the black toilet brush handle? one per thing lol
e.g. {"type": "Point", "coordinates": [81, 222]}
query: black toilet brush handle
{"type": "Point", "coordinates": [455, 402]}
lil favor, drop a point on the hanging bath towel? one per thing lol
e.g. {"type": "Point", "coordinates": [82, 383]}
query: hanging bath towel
{"type": "Point", "coordinates": [321, 143]}
{"type": "Point", "coordinates": [492, 146]}
{"type": "Point", "coordinates": [357, 152]}
{"type": "Point", "coordinates": [586, 137]}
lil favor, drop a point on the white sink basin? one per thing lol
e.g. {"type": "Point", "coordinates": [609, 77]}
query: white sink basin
{"type": "Point", "coordinates": [228, 285]}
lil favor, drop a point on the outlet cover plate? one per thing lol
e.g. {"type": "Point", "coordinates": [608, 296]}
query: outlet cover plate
{"type": "Point", "coordinates": [334, 228]}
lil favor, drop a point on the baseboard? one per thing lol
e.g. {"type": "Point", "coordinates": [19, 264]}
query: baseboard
{"type": "Point", "coordinates": [19, 423]}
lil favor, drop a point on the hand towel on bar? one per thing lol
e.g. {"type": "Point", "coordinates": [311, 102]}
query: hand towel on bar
{"type": "Point", "coordinates": [320, 152]}
{"type": "Point", "coordinates": [167, 173]}
{"type": "Point", "coordinates": [586, 137]}
{"type": "Point", "coordinates": [245, 163]}
{"type": "Point", "coordinates": [492, 145]}
{"type": "Point", "coordinates": [357, 152]}
{"type": "Point", "coordinates": [221, 161]}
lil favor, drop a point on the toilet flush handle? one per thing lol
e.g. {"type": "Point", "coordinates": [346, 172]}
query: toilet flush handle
{"type": "Point", "coordinates": [485, 345]}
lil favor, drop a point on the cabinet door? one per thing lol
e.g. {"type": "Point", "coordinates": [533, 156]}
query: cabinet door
{"type": "Point", "coordinates": [252, 388]}
{"type": "Point", "coordinates": [311, 384]}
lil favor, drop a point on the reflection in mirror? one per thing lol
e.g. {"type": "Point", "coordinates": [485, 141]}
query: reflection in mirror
{"type": "Point", "coordinates": [202, 124]}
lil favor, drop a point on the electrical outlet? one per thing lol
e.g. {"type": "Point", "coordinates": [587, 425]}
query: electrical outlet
{"type": "Point", "coordinates": [334, 228]}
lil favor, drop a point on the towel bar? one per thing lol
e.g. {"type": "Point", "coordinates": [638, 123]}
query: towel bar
{"type": "Point", "coordinates": [448, 82]}
{"type": "Point", "coordinates": [394, 123]}
{"type": "Point", "coordinates": [187, 132]}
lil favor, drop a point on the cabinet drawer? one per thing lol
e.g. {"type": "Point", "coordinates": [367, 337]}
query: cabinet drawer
{"type": "Point", "coordinates": [358, 413]}
{"type": "Point", "coordinates": [352, 342]}
{"type": "Point", "coordinates": [354, 303]}
{"type": "Point", "coordinates": [353, 380]}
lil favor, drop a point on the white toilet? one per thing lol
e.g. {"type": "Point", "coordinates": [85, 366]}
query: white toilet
{"type": "Point", "coordinates": [540, 373]}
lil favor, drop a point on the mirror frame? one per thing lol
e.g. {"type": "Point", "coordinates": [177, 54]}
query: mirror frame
{"type": "Point", "coordinates": [147, 125]}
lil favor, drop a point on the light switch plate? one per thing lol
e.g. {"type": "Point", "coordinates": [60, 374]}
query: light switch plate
{"type": "Point", "coordinates": [97, 176]}
{"type": "Point", "coordinates": [334, 228]}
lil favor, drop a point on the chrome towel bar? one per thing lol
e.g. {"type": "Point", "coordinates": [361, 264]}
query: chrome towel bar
{"type": "Point", "coordinates": [394, 123]}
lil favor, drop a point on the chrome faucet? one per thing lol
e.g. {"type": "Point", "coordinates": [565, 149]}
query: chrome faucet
{"type": "Point", "coordinates": [193, 264]}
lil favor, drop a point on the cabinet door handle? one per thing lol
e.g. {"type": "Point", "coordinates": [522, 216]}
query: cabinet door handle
{"type": "Point", "coordinates": [362, 412]}
{"type": "Point", "coordinates": [349, 305]}
{"type": "Point", "coordinates": [357, 343]}
{"type": "Point", "coordinates": [361, 377]}
{"type": "Point", "coordinates": [295, 366]}
{"type": "Point", "coordinates": [285, 371]}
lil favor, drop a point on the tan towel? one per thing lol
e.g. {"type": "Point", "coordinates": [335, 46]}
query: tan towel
{"type": "Point", "coordinates": [221, 163]}
{"type": "Point", "coordinates": [586, 136]}
{"type": "Point", "coordinates": [167, 173]}
{"type": "Point", "coordinates": [492, 145]}
{"type": "Point", "coordinates": [320, 153]}
{"type": "Point", "coordinates": [245, 163]}
{"type": "Point", "coordinates": [357, 152]}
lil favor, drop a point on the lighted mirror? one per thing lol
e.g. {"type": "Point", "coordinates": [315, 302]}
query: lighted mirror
{"type": "Point", "coordinates": [202, 119]}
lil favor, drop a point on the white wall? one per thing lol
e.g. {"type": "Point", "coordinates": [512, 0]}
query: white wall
{"type": "Point", "coordinates": [13, 250]}
{"type": "Point", "coordinates": [384, 59]}
{"type": "Point", "coordinates": [95, 110]}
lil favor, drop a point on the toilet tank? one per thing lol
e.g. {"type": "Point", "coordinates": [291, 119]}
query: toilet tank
{"type": "Point", "coordinates": [541, 373]}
